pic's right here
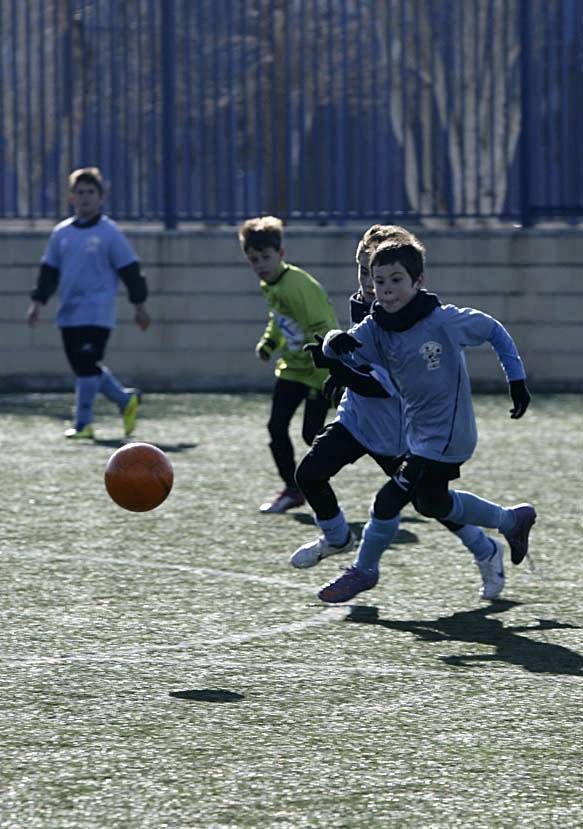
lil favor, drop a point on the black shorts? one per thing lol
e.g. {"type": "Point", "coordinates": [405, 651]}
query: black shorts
{"type": "Point", "coordinates": [85, 348]}
{"type": "Point", "coordinates": [418, 469]}
{"type": "Point", "coordinates": [335, 447]}
{"type": "Point", "coordinates": [423, 482]}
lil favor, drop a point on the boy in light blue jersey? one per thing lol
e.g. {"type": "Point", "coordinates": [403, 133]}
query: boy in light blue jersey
{"type": "Point", "coordinates": [420, 343]}
{"type": "Point", "coordinates": [85, 259]}
{"type": "Point", "coordinates": [367, 425]}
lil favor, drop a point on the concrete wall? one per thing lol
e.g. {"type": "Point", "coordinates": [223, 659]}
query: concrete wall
{"type": "Point", "coordinates": [208, 313]}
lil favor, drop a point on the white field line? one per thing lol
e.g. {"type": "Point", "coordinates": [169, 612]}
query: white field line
{"type": "Point", "coordinates": [211, 572]}
{"type": "Point", "coordinates": [326, 616]}
{"type": "Point", "coordinates": [131, 654]}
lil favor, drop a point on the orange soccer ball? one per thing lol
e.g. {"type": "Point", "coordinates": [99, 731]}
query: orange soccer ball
{"type": "Point", "coordinates": [139, 476]}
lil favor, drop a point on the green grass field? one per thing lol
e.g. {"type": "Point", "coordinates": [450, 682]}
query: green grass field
{"type": "Point", "coordinates": [170, 669]}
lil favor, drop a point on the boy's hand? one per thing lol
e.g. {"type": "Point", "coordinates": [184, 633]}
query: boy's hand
{"type": "Point", "coordinates": [343, 343]}
{"type": "Point", "coordinates": [520, 397]}
{"type": "Point", "coordinates": [141, 317]}
{"type": "Point", "coordinates": [316, 353]}
{"type": "Point", "coordinates": [33, 313]}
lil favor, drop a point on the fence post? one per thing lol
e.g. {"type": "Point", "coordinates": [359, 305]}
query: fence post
{"type": "Point", "coordinates": [169, 113]}
{"type": "Point", "coordinates": [524, 143]}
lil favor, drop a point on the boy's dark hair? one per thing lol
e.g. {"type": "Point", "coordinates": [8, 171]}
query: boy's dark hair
{"type": "Point", "coordinates": [89, 175]}
{"type": "Point", "coordinates": [376, 234]}
{"type": "Point", "coordinates": [410, 255]}
{"type": "Point", "coordinates": [260, 233]}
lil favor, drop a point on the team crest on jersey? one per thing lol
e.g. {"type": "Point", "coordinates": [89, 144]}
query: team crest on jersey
{"type": "Point", "coordinates": [93, 243]}
{"type": "Point", "coordinates": [431, 353]}
{"type": "Point", "coordinates": [291, 330]}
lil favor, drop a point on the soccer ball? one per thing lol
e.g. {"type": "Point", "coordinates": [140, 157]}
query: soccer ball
{"type": "Point", "coordinates": [139, 476]}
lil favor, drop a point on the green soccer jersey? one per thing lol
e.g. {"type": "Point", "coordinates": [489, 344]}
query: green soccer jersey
{"type": "Point", "coordinates": [298, 308]}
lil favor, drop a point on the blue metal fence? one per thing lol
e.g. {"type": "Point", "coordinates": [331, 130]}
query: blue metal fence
{"type": "Point", "coordinates": [214, 110]}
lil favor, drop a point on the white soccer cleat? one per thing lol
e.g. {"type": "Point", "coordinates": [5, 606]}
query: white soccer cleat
{"type": "Point", "coordinates": [287, 499]}
{"type": "Point", "coordinates": [492, 572]}
{"type": "Point", "coordinates": [84, 433]}
{"type": "Point", "coordinates": [310, 554]}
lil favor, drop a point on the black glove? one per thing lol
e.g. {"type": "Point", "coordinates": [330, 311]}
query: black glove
{"type": "Point", "coordinates": [343, 343]}
{"type": "Point", "coordinates": [333, 390]}
{"type": "Point", "coordinates": [520, 397]}
{"type": "Point", "coordinates": [317, 354]}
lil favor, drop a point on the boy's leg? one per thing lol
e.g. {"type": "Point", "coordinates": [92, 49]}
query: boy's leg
{"type": "Point", "coordinates": [434, 499]}
{"type": "Point", "coordinates": [84, 347]}
{"type": "Point", "coordinates": [126, 399]}
{"type": "Point", "coordinates": [287, 396]}
{"type": "Point", "coordinates": [488, 556]}
{"type": "Point", "coordinates": [515, 523]}
{"type": "Point", "coordinates": [473, 538]}
{"type": "Point", "coordinates": [85, 393]}
{"type": "Point", "coordinates": [377, 535]}
{"type": "Point", "coordinates": [330, 452]}
{"type": "Point", "coordinates": [333, 448]}
{"type": "Point", "coordinates": [315, 411]}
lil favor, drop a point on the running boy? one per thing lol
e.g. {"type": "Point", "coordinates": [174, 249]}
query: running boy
{"type": "Point", "coordinates": [421, 343]}
{"type": "Point", "coordinates": [298, 310]}
{"type": "Point", "coordinates": [85, 258]}
{"type": "Point", "coordinates": [367, 425]}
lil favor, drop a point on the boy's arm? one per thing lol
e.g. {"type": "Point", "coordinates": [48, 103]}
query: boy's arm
{"type": "Point", "coordinates": [365, 380]}
{"type": "Point", "coordinates": [513, 367]}
{"type": "Point", "coordinates": [271, 340]}
{"type": "Point", "coordinates": [368, 381]}
{"type": "Point", "coordinates": [137, 289]}
{"type": "Point", "coordinates": [507, 352]}
{"type": "Point", "coordinates": [46, 285]}
{"type": "Point", "coordinates": [123, 258]}
{"type": "Point", "coordinates": [470, 327]}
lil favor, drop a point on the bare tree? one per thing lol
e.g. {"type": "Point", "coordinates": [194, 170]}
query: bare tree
{"type": "Point", "coordinates": [474, 103]}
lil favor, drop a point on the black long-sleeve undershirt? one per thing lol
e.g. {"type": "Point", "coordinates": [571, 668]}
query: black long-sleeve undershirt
{"type": "Point", "coordinates": [360, 382]}
{"type": "Point", "coordinates": [46, 285]}
{"type": "Point", "coordinates": [130, 275]}
{"type": "Point", "coordinates": [135, 283]}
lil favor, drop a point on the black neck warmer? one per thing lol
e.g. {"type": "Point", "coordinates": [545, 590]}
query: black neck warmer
{"type": "Point", "coordinates": [359, 309]}
{"type": "Point", "coordinates": [91, 223]}
{"type": "Point", "coordinates": [422, 304]}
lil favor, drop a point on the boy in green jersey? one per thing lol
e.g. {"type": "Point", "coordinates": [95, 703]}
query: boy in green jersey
{"type": "Point", "coordinates": [299, 308]}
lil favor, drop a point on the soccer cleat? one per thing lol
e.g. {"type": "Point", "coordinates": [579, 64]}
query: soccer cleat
{"type": "Point", "coordinates": [525, 515]}
{"type": "Point", "coordinates": [492, 572]}
{"type": "Point", "coordinates": [352, 582]}
{"type": "Point", "coordinates": [85, 433]}
{"type": "Point", "coordinates": [130, 413]}
{"type": "Point", "coordinates": [310, 554]}
{"type": "Point", "coordinates": [287, 499]}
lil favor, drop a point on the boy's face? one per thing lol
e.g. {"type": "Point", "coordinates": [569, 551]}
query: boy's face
{"type": "Point", "coordinates": [393, 286]}
{"type": "Point", "coordinates": [364, 277]}
{"type": "Point", "coordinates": [86, 199]}
{"type": "Point", "coordinates": [266, 263]}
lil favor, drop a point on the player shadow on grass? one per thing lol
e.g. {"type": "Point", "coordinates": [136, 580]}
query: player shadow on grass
{"type": "Point", "coordinates": [477, 626]}
{"type": "Point", "coordinates": [356, 527]}
{"type": "Point", "coordinates": [208, 695]}
{"type": "Point", "coordinates": [115, 443]}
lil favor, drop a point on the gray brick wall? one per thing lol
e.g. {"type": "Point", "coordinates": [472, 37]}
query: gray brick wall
{"type": "Point", "coordinates": [208, 312]}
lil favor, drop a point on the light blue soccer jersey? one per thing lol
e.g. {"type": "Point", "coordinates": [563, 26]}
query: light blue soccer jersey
{"type": "Point", "coordinates": [375, 422]}
{"type": "Point", "coordinates": [88, 258]}
{"type": "Point", "coordinates": [427, 364]}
